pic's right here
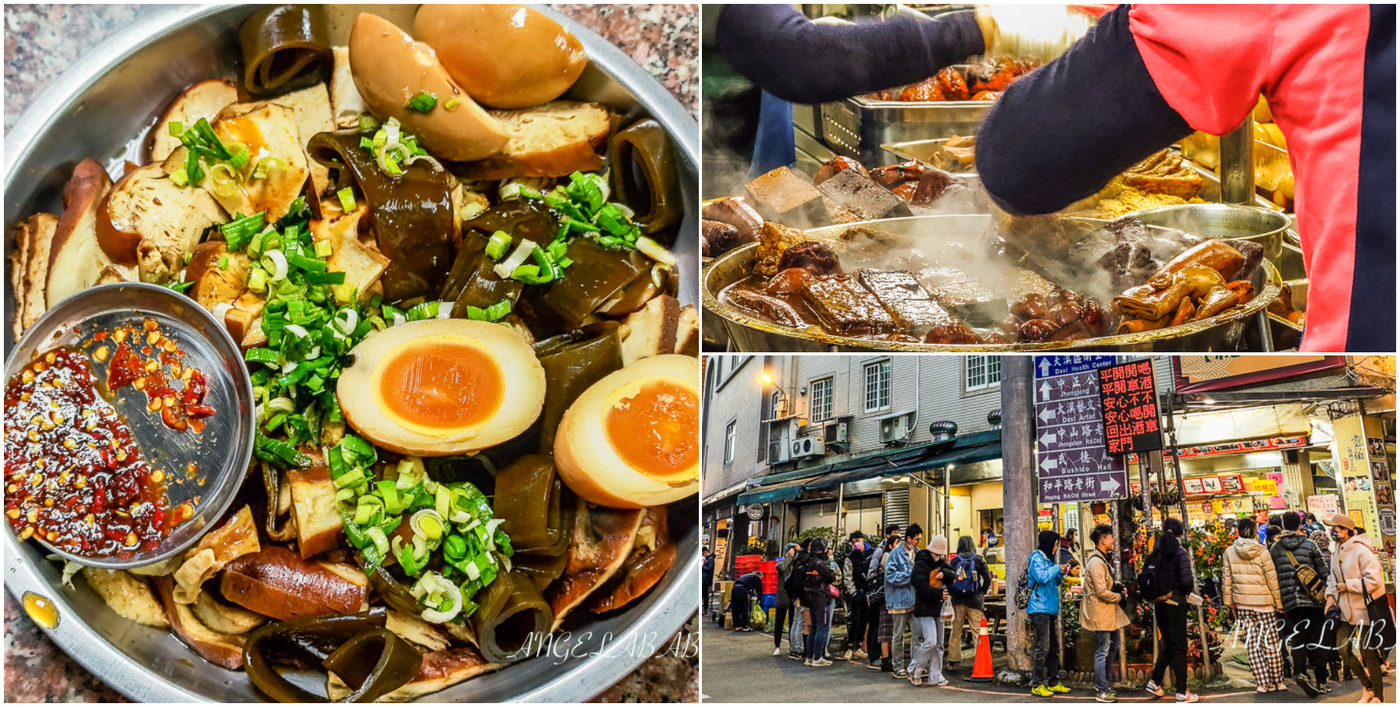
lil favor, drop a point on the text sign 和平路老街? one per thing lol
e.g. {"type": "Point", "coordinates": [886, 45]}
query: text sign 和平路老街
{"type": "Point", "coordinates": [1072, 461]}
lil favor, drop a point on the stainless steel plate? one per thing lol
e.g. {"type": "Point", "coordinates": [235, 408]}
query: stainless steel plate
{"type": "Point", "coordinates": [99, 109]}
{"type": "Point", "coordinates": [218, 455]}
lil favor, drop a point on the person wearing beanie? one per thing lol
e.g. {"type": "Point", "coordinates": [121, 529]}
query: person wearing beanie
{"type": "Point", "coordinates": [1045, 578]}
{"type": "Point", "coordinates": [1173, 565]}
{"type": "Point", "coordinates": [855, 570]}
{"type": "Point", "coordinates": [931, 575]}
{"type": "Point", "coordinates": [1251, 590]}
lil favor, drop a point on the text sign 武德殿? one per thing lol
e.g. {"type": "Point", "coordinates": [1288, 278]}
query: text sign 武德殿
{"type": "Point", "coordinates": [1072, 461]}
{"type": "Point", "coordinates": [1128, 394]}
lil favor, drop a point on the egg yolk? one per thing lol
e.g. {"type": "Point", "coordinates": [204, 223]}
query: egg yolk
{"type": "Point", "coordinates": [440, 383]}
{"type": "Point", "coordinates": [653, 428]}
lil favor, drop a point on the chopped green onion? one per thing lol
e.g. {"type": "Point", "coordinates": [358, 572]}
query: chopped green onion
{"type": "Point", "coordinates": [451, 104]}
{"type": "Point", "coordinates": [176, 128]}
{"type": "Point", "coordinates": [347, 199]}
{"type": "Point", "coordinates": [497, 245]}
{"type": "Point", "coordinates": [423, 102]}
{"type": "Point", "coordinates": [242, 228]}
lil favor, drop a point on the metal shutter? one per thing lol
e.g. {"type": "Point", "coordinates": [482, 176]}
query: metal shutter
{"type": "Point", "coordinates": [897, 507]}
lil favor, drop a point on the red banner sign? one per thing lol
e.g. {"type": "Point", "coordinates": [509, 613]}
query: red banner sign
{"type": "Point", "coordinates": [1128, 394]}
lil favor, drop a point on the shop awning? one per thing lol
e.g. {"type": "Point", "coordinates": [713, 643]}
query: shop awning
{"type": "Point", "coordinates": [784, 491]}
{"type": "Point", "coordinates": [725, 493]}
{"type": "Point", "coordinates": [968, 449]}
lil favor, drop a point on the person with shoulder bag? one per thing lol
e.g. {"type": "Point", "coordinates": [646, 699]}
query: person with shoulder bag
{"type": "Point", "coordinates": [1101, 610]}
{"type": "Point", "coordinates": [782, 605]}
{"type": "Point", "coordinates": [1250, 589]}
{"type": "Point", "coordinates": [855, 569]}
{"type": "Point", "coordinates": [970, 583]}
{"type": "Point", "coordinates": [1302, 583]}
{"type": "Point", "coordinates": [877, 634]}
{"type": "Point", "coordinates": [1356, 588]}
{"type": "Point", "coordinates": [930, 576]}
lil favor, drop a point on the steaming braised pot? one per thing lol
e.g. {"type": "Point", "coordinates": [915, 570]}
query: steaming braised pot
{"type": "Point", "coordinates": [1030, 280]}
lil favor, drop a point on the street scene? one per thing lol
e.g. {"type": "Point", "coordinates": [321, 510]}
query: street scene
{"type": "Point", "coordinates": [1012, 528]}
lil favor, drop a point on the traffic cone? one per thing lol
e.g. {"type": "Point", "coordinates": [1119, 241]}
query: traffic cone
{"type": "Point", "coordinates": [982, 666]}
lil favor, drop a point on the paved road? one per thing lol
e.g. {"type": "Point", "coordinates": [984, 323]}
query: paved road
{"type": "Point", "coordinates": [739, 667]}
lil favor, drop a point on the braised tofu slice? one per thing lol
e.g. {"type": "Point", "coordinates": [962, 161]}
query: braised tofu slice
{"type": "Point", "coordinates": [845, 307]}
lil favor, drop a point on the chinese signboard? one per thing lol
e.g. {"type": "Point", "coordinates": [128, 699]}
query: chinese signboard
{"type": "Point", "coordinates": [1253, 445]}
{"type": "Point", "coordinates": [1353, 460]}
{"type": "Point", "coordinates": [1072, 463]}
{"type": "Point", "coordinates": [1129, 398]}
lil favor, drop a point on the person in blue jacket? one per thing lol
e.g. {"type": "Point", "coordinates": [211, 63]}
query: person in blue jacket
{"type": "Point", "coordinates": [1044, 609]}
{"type": "Point", "coordinates": [899, 596]}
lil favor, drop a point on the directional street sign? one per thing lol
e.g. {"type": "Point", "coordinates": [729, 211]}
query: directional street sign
{"type": "Point", "coordinates": [1072, 462]}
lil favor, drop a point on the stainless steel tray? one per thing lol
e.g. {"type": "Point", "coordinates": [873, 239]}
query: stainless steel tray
{"type": "Point", "coordinates": [859, 127]}
{"type": "Point", "coordinates": [112, 95]}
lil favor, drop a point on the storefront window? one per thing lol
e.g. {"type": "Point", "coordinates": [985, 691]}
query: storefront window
{"type": "Point", "coordinates": [821, 400]}
{"type": "Point", "coordinates": [877, 386]}
{"type": "Point", "coordinates": [982, 372]}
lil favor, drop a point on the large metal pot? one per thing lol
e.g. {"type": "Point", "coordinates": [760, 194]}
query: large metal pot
{"type": "Point", "coordinates": [744, 332]}
{"type": "Point", "coordinates": [1224, 221]}
{"type": "Point", "coordinates": [113, 95]}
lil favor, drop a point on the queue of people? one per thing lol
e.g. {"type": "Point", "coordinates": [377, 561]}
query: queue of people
{"type": "Point", "coordinates": [1301, 610]}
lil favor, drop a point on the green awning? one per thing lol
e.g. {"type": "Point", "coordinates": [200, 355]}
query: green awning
{"type": "Point", "coordinates": [969, 449]}
{"type": "Point", "coordinates": [785, 491]}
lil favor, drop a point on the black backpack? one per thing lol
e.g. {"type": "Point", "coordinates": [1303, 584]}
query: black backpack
{"type": "Point", "coordinates": [1154, 581]}
{"type": "Point", "coordinates": [794, 584]}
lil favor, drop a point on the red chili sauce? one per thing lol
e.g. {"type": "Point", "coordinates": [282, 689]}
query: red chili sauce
{"type": "Point", "coordinates": [73, 474]}
{"type": "Point", "coordinates": [149, 361]}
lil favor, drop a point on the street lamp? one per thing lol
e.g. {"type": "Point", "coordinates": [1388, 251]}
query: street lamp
{"type": "Point", "coordinates": [767, 379]}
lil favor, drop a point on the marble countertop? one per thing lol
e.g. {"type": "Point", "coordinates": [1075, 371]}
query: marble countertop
{"type": "Point", "coordinates": [43, 40]}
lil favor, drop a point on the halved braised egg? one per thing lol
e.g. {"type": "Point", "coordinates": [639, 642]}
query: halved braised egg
{"type": "Point", "coordinates": [633, 438]}
{"type": "Point", "coordinates": [442, 386]}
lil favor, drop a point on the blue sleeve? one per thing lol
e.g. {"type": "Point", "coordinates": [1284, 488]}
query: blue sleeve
{"type": "Point", "coordinates": [1043, 571]}
{"type": "Point", "coordinates": [789, 56]}
{"type": "Point", "coordinates": [1061, 132]}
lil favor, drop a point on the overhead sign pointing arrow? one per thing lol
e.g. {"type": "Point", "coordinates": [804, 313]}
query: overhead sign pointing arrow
{"type": "Point", "coordinates": [1073, 461]}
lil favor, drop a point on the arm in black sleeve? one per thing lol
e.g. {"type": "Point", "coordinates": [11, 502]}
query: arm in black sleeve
{"type": "Point", "coordinates": [789, 56]}
{"type": "Point", "coordinates": [1060, 133]}
{"type": "Point", "coordinates": [986, 582]}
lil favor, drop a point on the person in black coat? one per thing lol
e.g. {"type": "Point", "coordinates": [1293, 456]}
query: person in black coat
{"type": "Point", "coordinates": [817, 578]}
{"type": "Point", "coordinates": [746, 588]}
{"type": "Point", "coordinates": [930, 576]}
{"type": "Point", "coordinates": [707, 578]}
{"type": "Point", "coordinates": [1175, 564]}
{"type": "Point", "coordinates": [1303, 634]}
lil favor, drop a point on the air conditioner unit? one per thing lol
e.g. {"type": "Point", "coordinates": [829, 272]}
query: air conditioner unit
{"type": "Point", "coordinates": [894, 430]}
{"type": "Point", "coordinates": [806, 447]}
{"type": "Point", "coordinates": [843, 431]}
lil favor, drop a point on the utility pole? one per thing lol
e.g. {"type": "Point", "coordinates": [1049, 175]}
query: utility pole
{"type": "Point", "coordinates": [1018, 493]}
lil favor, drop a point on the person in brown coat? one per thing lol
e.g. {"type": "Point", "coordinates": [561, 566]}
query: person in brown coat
{"type": "Point", "coordinates": [1356, 573]}
{"type": "Point", "coordinates": [1102, 610]}
{"type": "Point", "coordinates": [1251, 591]}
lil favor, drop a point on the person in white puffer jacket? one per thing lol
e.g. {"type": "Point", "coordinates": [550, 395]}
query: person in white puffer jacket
{"type": "Point", "coordinates": [1251, 590]}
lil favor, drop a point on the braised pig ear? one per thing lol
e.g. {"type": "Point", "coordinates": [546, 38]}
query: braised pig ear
{"type": "Point", "coordinates": [653, 551]}
{"type": "Point", "coordinates": [602, 540]}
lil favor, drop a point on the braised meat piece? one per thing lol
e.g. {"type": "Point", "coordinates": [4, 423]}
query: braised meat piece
{"type": "Point", "coordinates": [863, 196]}
{"type": "Point", "coordinates": [788, 282]}
{"type": "Point", "coordinates": [956, 334]}
{"type": "Point", "coordinates": [933, 184]}
{"type": "Point", "coordinates": [768, 307]}
{"type": "Point", "coordinates": [720, 237]}
{"type": "Point", "coordinates": [784, 197]}
{"type": "Point", "coordinates": [835, 165]}
{"type": "Point", "coordinates": [733, 211]}
{"type": "Point", "coordinates": [846, 308]}
{"type": "Point", "coordinates": [926, 90]}
{"type": "Point", "coordinates": [905, 299]}
{"type": "Point", "coordinates": [1128, 264]}
{"type": "Point", "coordinates": [773, 240]}
{"type": "Point", "coordinates": [813, 256]}
{"type": "Point", "coordinates": [894, 175]}
{"type": "Point", "coordinates": [953, 84]}
{"type": "Point", "coordinates": [1164, 172]}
